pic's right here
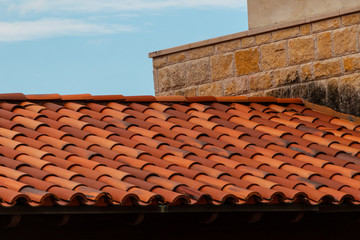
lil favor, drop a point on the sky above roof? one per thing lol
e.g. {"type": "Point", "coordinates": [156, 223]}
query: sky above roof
{"type": "Point", "coordinates": [101, 47]}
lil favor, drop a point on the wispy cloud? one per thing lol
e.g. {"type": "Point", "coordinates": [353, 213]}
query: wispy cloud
{"type": "Point", "coordinates": [44, 28]}
{"type": "Point", "coordinates": [87, 6]}
{"type": "Point", "coordinates": [34, 19]}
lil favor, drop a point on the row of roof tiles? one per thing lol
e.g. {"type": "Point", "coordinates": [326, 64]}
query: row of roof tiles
{"type": "Point", "coordinates": [211, 152]}
{"type": "Point", "coordinates": [143, 98]}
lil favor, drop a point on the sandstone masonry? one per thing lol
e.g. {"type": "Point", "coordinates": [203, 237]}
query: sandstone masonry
{"type": "Point", "coordinates": [318, 61]}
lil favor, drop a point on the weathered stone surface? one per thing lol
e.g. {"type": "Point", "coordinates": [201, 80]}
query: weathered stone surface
{"type": "Point", "coordinates": [314, 92]}
{"type": "Point", "coordinates": [159, 61]}
{"type": "Point", "coordinates": [247, 61]}
{"type": "Point", "coordinates": [227, 46]}
{"type": "Point", "coordinates": [171, 77]}
{"type": "Point", "coordinates": [285, 33]}
{"type": "Point", "coordinates": [169, 93]}
{"type": "Point", "coordinates": [222, 66]}
{"type": "Point", "coordinates": [262, 38]}
{"type": "Point", "coordinates": [326, 24]}
{"type": "Point", "coordinates": [247, 42]}
{"type": "Point", "coordinates": [156, 80]}
{"type": "Point", "coordinates": [210, 89]}
{"type": "Point", "coordinates": [283, 92]}
{"type": "Point", "coordinates": [332, 99]}
{"type": "Point", "coordinates": [351, 63]}
{"type": "Point", "coordinates": [349, 88]}
{"type": "Point", "coordinates": [274, 55]}
{"type": "Point", "coordinates": [306, 72]}
{"type": "Point", "coordinates": [345, 40]}
{"type": "Point", "coordinates": [328, 68]}
{"type": "Point", "coordinates": [301, 49]}
{"type": "Point", "coordinates": [176, 57]}
{"type": "Point", "coordinates": [235, 86]}
{"type": "Point", "coordinates": [305, 29]}
{"type": "Point", "coordinates": [285, 68]}
{"type": "Point", "coordinates": [351, 19]}
{"type": "Point", "coordinates": [324, 45]}
{"type": "Point", "coordinates": [187, 92]}
{"type": "Point", "coordinates": [260, 81]}
{"type": "Point", "coordinates": [201, 52]}
{"type": "Point", "coordinates": [197, 72]}
{"type": "Point", "coordinates": [286, 76]}
{"type": "Point", "coordinates": [256, 94]}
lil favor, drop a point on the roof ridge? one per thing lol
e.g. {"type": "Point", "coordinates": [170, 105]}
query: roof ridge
{"type": "Point", "coordinates": [143, 98]}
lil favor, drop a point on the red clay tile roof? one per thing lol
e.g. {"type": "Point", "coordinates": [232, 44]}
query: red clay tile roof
{"type": "Point", "coordinates": [103, 150]}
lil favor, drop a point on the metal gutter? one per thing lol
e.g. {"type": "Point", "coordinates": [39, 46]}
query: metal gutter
{"type": "Point", "coordinates": [163, 209]}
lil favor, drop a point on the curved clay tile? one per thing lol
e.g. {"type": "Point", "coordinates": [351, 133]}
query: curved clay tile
{"type": "Point", "coordinates": [172, 198]}
{"type": "Point", "coordinates": [205, 152]}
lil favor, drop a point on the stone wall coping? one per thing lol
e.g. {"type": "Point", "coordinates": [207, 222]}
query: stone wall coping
{"type": "Point", "coordinates": [253, 32]}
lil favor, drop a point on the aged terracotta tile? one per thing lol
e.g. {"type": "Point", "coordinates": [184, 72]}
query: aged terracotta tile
{"type": "Point", "coordinates": [76, 97]}
{"type": "Point", "coordinates": [175, 150]}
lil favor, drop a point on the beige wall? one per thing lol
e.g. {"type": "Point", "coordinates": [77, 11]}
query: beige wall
{"type": "Point", "coordinates": [268, 12]}
{"type": "Point", "coordinates": [317, 61]}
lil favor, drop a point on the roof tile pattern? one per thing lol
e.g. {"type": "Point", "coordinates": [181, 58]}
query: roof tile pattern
{"type": "Point", "coordinates": [100, 150]}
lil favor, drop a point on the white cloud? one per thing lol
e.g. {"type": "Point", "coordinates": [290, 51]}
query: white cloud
{"type": "Point", "coordinates": [93, 18]}
{"type": "Point", "coordinates": [88, 6]}
{"type": "Point", "coordinates": [44, 28]}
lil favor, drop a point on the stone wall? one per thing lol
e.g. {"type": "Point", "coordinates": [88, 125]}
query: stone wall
{"type": "Point", "coordinates": [318, 61]}
{"type": "Point", "coordinates": [262, 13]}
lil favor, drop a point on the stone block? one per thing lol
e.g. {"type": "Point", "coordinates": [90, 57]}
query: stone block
{"type": "Point", "coordinates": [201, 52]}
{"type": "Point", "coordinates": [324, 45]}
{"type": "Point", "coordinates": [235, 86]}
{"type": "Point", "coordinates": [247, 42]}
{"type": "Point", "coordinates": [228, 46]}
{"type": "Point", "coordinates": [285, 33]}
{"type": "Point", "coordinates": [156, 80]}
{"type": "Point", "coordinates": [333, 94]}
{"type": "Point", "coordinates": [222, 66]}
{"type": "Point", "coordinates": [159, 61]}
{"type": "Point", "coordinates": [274, 55]}
{"type": "Point", "coordinates": [301, 49]}
{"type": "Point", "coordinates": [262, 38]}
{"type": "Point", "coordinates": [286, 76]}
{"type": "Point", "coordinates": [260, 81]}
{"type": "Point", "coordinates": [247, 61]}
{"type": "Point", "coordinates": [314, 92]}
{"type": "Point", "coordinates": [171, 77]}
{"type": "Point", "coordinates": [197, 72]}
{"type": "Point", "coordinates": [345, 40]}
{"type": "Point", "coordinates": [169, 93]}
{"type": "Point", "coordinates": [350, 19]}
{"type": "Point", "coordinates": [326, 24]}
{"type": "Point", "coordinates": [326, 69]}
{"type": "Point", "coordinates": [351, 63]}
{"type": "Point", "coordinates": [176, 57]}
{"type": "Point", "coordinates": [283, 92]}
{"type": "Point", "coordinates": [210, 89]}
{"type": "Point", "coordinates": [306, 72]}
{"type": "Point", "coordinates": [256, 94]}
{"type": "Point", "coordinates": [186, 92]}
{"type": "Point", "coordinates": [305, 29]}
{"type": "Point", "coordinates": [349, 88]}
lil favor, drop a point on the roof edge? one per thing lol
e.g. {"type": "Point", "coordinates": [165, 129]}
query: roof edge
{"type": "Point", "coordinates": [253, 32]}
{"type": "Point", "coordinates": [331, 112]}
{"type": "Point", "coordinates": [143, 98]}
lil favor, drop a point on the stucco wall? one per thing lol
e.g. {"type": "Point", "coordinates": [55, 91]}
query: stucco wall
{"type": "Point", "coordinates": [268, 12]}
{"type": "Point", "coordinates": [318, 61]}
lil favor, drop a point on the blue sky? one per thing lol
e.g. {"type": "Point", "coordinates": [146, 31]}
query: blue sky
{"type": "Point", "coordinates": [101, 46]}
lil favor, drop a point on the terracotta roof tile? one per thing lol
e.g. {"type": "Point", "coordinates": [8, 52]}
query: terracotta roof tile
{"type": "Point", "coordinates": [124, 150]}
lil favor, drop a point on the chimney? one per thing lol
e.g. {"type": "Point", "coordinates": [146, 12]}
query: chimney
{"type": "Point", "coordinates": [262, 13]}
